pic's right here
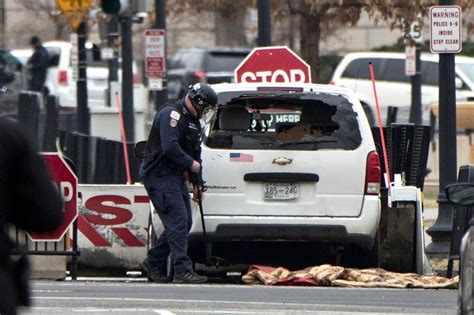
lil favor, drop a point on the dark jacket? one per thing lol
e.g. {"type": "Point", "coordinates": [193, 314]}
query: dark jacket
{"type": "Point", "coordinates": [174, 142]}
{"type": "Point", "coordinates": [28, 199]}
{"type": "Point", "coordinates": [39, 65]}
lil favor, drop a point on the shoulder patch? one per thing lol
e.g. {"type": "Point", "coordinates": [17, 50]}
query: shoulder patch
{"type": "Point", "coordinates": [173, 123]}
{"type": "Point", "coordinates": [175, 115]}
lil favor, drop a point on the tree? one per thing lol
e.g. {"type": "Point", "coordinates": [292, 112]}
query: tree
{"type": "Point", "coordinates": [317, 15]}
{"type": "Point", "coordinates": [50, 8]}
{"type": "Point", "coordinates": [225, 11]}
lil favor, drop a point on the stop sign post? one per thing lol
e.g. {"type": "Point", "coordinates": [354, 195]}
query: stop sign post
{"type": "Point", "coordinates": [273, 64]}
{"type": "Point", "coordinates": [66, 181]}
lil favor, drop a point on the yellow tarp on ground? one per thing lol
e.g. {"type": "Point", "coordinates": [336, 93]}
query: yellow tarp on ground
{"type": "Point", "coordinates": [327, 275]}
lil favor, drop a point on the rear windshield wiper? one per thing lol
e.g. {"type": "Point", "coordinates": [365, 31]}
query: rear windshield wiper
{"type": "Point", "coordinates": [284, 144]}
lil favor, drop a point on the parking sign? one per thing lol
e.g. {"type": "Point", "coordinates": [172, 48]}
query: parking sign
{"type": "Point", "coordinates": [155, 62]}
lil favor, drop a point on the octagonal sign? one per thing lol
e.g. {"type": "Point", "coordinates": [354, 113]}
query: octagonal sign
{"type": "Point", "coordinates": [273, 64]}
{"type": "Point", "coordinates": [66, 181]}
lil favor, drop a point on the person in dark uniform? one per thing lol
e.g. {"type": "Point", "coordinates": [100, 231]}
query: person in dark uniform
{"type": "Point", "coordinates": [173, 148]}
{"type": "Point", "coordinates": [37, 65]}
{"type": "Point", "coordinates": [29, 200]}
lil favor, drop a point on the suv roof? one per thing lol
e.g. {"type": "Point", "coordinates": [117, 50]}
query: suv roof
{"type": "Point", "coordinates": [218, 49]}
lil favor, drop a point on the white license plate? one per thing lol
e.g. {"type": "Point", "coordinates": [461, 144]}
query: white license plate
{"type": "Point", "coordinates": [280, 191]}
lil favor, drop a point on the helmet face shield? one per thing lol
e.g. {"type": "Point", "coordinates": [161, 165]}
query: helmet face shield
{"type": "Point", "coordinates": [202, 96]}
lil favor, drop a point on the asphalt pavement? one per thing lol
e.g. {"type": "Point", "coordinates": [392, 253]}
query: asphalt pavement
{"type": "Point", "coordinates": [137, 297]}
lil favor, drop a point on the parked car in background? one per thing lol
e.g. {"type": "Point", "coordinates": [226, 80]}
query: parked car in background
{"type": "Point", "coordinates": [59, 79]}
{"type": "Point", "coordinates": [22, 54]}
{"type": "Point", "coordinates": [466, 65]}
{"type": "Point", "coordinates": [393, 86]}
{"type": "Point", "coordinates": [9, 93]}
{"type": "Point", "coordinates": [205, 65]}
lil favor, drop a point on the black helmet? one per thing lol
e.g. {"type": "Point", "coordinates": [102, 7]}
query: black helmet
{"type": "Point", "coordinates": [202, 96]}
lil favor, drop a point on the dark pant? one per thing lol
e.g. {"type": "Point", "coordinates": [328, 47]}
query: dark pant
{"type": "Point", "coordinates": [170, 197]}
{"type": "Point", "coordinates": [8, 294]}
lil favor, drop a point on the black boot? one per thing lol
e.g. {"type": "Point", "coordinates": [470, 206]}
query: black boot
{"type": "Point", "coordinates": [189, 277]}
{"type": "Point", "coordinates": [154, 274]}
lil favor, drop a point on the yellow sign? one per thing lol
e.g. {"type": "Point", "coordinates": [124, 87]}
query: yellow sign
{"type": "Point", "coordinates": [75, 10]}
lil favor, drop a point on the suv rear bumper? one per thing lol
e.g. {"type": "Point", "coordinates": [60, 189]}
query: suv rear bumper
{"type": "Point", "coordinates": [280, 233]}
{"type": "Point", "coordinates": [359, 230]}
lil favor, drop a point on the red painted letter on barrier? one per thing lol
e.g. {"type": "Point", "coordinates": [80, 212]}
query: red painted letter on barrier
{"type": "Point", "coordinates": [96, 204]}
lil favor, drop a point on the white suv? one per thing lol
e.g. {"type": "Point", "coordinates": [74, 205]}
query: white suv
{"type": "Point", "coordinates": [292, 174]}
{"type": "Point", "coordinates": [393, 86]}
{"type": "Point", "coordinates": [59, 80]}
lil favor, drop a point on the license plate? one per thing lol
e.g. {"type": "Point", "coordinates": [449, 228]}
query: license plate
{"type": "Point", "coordinates": [280, 191]}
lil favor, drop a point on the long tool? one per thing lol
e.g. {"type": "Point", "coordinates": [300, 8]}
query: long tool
{"type": "Point", "coordinates": [384, 147]}
{"type": "Point", "coordinates": [210, 260]}
{"type": "Point", "coordinates": [124, 139]}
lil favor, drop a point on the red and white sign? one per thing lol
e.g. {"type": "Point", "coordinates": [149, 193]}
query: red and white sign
{"type": "Point", "coordinates": [410, 60]}
{"type": "Point", "coordinates": [446, 29]}
{"type": "Point", "coordinates": [66, 181]}
{"type": "Point", "coordinates": [155, 62]}
{"type": "Point", "coordinates": [113, 225]}
{"type": "Point", "coordinates": [273, 64]}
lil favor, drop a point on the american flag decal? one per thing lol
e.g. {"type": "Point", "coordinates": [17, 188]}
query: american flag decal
{"type": "Point", "coordinates": [240, 157]}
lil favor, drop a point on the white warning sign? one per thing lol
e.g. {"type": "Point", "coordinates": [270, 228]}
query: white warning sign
{"type": "Point", "coordinates": [446, 29]}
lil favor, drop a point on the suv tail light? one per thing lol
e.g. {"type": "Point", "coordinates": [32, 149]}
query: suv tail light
{"type": "Point", "coordinates": [200, 75]}
{"type": "Point", "coordinates": [136, 78]}
{"type": "Point", "coordinates": [62, 77]}
{"type": "Point", "coordinates": [331, 82]}
{"type": "Point", "coordinates": [372, 175]}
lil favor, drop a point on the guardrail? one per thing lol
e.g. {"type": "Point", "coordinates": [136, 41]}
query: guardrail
{"type": "Point", "coordinates": [69, 246]}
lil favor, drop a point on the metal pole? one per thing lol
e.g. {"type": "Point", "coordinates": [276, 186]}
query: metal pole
{"type": "Point", "coordinates": [113, 64]}
{"type": "Point", "coordinates": [160, 23]}
{"type": "Point", "coordinates": [441, 231]}
{"type": "Point", "coordinates": [415, 109]}
{"type": "Point", "coordinates": [127, 77]}
{"type": "Point", "coordinates": [3, 24]}
{"type": "Point", "coordinates": [264, 23]}
{"type": "Point", "coordinates": [83, 115]}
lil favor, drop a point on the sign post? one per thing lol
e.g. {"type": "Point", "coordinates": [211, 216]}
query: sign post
{"type": "Point", "coordinates": [273, 64]}
{"type": "Point", "coordinates": [155, 63]}
{"type": "Point", "coordinates": [66, 181]}
{"type": "Point", "coordinates": [445, 39]}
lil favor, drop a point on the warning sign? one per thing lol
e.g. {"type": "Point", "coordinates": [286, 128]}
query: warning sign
{"type": "Point", "coordinates": [75, 11]}
{"type": "Point", "coordinates": [446, 29]}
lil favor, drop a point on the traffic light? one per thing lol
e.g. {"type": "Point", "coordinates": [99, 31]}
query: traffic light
{"type": "Point", "coordinates": [114, 6]}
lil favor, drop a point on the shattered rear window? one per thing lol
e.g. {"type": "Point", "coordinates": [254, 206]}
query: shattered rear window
{"type": "Point", "coordinates": [284, 121]}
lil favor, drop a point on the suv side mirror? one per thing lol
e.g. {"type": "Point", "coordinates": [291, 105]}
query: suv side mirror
{"type": "Point", "coordinates": [458, 83]}
{"type": "Point", "coordinates": [461, 194]}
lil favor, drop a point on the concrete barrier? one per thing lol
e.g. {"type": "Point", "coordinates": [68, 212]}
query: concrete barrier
{"type": "Point", "coordinates": [113, 225]}
{"type": "Point", "coordinates": [465, 155]}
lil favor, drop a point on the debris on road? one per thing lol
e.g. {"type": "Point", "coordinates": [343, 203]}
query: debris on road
{"type": "Point", "coordinates": [328, 275]}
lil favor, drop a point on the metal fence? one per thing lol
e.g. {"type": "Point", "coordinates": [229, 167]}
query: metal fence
{"type": "Point", "coordinates": [407, 151]}
{"type": "Point", "coordinates": [96, 160]}
{"type": "Point", "coordinates": [65, 247]}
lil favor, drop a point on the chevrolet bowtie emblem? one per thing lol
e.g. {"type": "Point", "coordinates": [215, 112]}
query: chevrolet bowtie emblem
{"type": "Point", "coordinates": [282, 161]}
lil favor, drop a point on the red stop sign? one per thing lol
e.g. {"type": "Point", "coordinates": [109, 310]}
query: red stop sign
{"type": "Point", "coordinates": [273, 64]}
{"type": "Point", "coordinates": [66, 182]}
